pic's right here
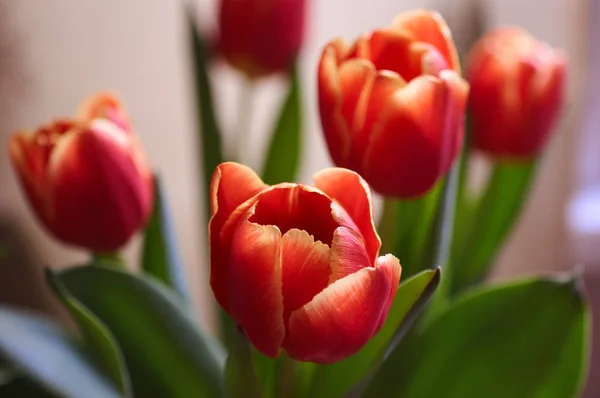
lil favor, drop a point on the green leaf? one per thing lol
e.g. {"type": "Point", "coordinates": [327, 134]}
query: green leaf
{"type": "Point", "coordinates": [240, 376]}
{"type": "Point", "coordinates": [45, 353]}
{"type": "Point", "coordinates": [97, 339]}
{"type": "Point", "coordinates": [22, 387]}
{"type": "Point", "coordinates": [283, 156]}
{"type": "Point", "coordinates": [337, 379]}
{"type": "Point", "coordinates": [491, 221]}
{"type": "Point", "coordinates": [160, 257]}
{"type": "Point", "coordinates": [209, 132]}
{"type": "Point", "coordinates": [166, 353]}
{"type": "Point", "coordinates": [524, 339]}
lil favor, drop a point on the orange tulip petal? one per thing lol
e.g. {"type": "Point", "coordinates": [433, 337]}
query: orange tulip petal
{"type": "Point", "coordinates": [356, 77]}
{"type": "Point", "coordinates": [290, 206]}
{"type": "Point", "coordinates": [232, 185]}
{"type": "Point", "coordinates": [418, 136]}
{"type": "Point", "coordinates": [305, 268]}
{"type": "Point", "coordinates": [344, 316]}
{"type": "Point", "coordinates": [391, 50]}
{"type": "Point", "coordinates": [105, 106]}
{"type": "Point", "coordinates": [354, 195]}
{"type": "Point", "coordinates": [430, 27]}
{"type": "Point", "coordinates": [348, 253]}
{"type": "Point", "coordinates": [336, 129]}
{"type": "Point", "coordinates": [255, 290]}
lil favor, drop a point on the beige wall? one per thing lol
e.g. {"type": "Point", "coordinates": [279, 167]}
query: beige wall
{"type": "Point", "coordinates": [68, 49]}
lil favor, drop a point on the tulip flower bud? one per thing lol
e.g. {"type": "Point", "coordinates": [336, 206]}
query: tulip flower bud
{"type": "Point", "coordinates": [296, 266]}
{"type": "Point", "coordinates": [517, 88]}
{"type": "Point", "coordinates": [261, 37]}
{"type": "Point", "coordinates": [86, 177]}
{"type": "Point", "coordinates": [392, 104]}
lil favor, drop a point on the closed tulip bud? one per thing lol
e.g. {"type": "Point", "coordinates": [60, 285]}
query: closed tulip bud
{"type": "Point", "coordinates": [517, 88]}
{"type": "Point", "coordinates": [86, 177]}
{"type": "Point", "coordinates": [261, 37]}
{"type": "Point", "coordinates": [392, 104]}
{"type": "Point", "coordinates": [297, 266]}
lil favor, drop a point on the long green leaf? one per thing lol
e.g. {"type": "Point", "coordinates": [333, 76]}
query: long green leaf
{"type": "Point", "coordinates": [166, 353]}
{"type": "Point", "coordinates": [524, 339]}
{"type": "Point", "coordinates": [160, 257]}
{"type": "Point", "coordinates": [209, 133]}
{"type": "Point", "coordinates": [495, 214]}
{"type": "Point", "coordinates": [97, 339]}
{"type": "Point", "coordinates": [283, 155]}
{"type": "Point", "coordinates": [240, 376]}
{"type": "Point", "coordinates": [45, 353]}
{"type": "Point", "coordinates": [337, 379]}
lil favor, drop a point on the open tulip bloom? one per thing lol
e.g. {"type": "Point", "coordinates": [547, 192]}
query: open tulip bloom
{"type": "Point", "coordinates": [307, 305]}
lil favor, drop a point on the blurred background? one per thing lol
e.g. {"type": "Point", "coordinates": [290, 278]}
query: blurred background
{"type": "Point", "coordinates": [55, 53]}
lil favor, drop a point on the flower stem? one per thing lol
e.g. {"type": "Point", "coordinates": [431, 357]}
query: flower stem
{"type": "Point", "coordinates": [286, 368]}
{"type": "Point", "coordinates": [244, 120]}
{"type": "Point", "coordinates": [108, 259]}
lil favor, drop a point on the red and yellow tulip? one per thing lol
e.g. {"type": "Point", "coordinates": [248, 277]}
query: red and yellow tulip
{"type": "Point", "coordinates": [86, 177]}
{"type": "Point", "coordinates": [298, 266]}
{"type": "Point", "coordinates": [517, 89]}
{"type": "Point", "coordinates": [392, 104]}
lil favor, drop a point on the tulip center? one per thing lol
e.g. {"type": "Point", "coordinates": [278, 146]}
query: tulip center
{"type": "Point", "coordinates": [299, 207]}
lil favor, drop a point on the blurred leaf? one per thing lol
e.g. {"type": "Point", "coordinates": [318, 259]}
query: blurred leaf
{"type": "Point", "coordinates": [337, 379]}
{"type": "Point", "coordinates": [160, 257]}
{"type": "Point", "coordinates": [496, 213]}
{"type": "Point", "coordinates": [520, 340]}
{"type": "Point", "coordinates": [240, 376]}
{"type": "Point", "coordinates": [209, 132]}
{"type": "Point", "coordinates": [44, 352]}
{"type": "Point", "coordinates": [22, 387]}
{"type": "Point", "coordinates": [97, 339]}
{"type": "Point", "coordinates": [166, 353]}
{"type": "Point", "coordinates": [266, 370]}
{"type": "Point", "coordinates": [283, 156]}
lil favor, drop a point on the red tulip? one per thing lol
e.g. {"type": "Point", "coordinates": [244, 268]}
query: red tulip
{"type": "Point", "coordinates": [392, 104]}
{"type": "Point", "coordinates": [86, 177]}
{"type": "Point", "coordinates": [517, 88]}
{"type": "Point", "coordinates": [297, 266]}
{"type": "Point", "coordinates": [261, 37]}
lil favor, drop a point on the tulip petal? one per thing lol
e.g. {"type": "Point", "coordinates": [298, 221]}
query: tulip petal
{"type": "Point", "coordinates": [354, 195]}
{"type": "Point", "coordinates": [356, 78]}
{"type": "Point", "coordinates": [305, 268]}
{"type": "Point", "coordinates": [94, 180]}
{"type": "Point", "coordinates": [392, 50]}
{"type": "Point", "coordinates": [232, 185]}
{"type": "Point", "coordinates": [418, 136]}
{"type": "Point", "coordinates": [335, 128]}
{"type": "Point", "coordinates": [255, 290]}
{"type": "Point", "coordinates": [430, 27]}
{"type": "Point", "coordinates": [348, 253]}
{"type": "Point", "coordinates": [344, 316]}
{"type": "Point", "coordinates": [105, 106]}
{"type": "Point", "coordinates": [296, 206]}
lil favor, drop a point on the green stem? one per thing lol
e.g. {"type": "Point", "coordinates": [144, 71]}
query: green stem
{"type": "Point", "coordinates": [244, 120]}
{"type": "Point", "coordinates": [388, 226]}
{"type": "Point", "coordinates": [493, 217]}
{"type": "Point", "coordinates": [108, 259]}
{"type": "Point", "coordinates": [405, 227]}
{"type": "Point", "coordinates": [284, 382]}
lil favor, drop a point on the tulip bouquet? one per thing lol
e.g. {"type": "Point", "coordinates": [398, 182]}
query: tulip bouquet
{"type": "Point", "coordinates": [314, 301]}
